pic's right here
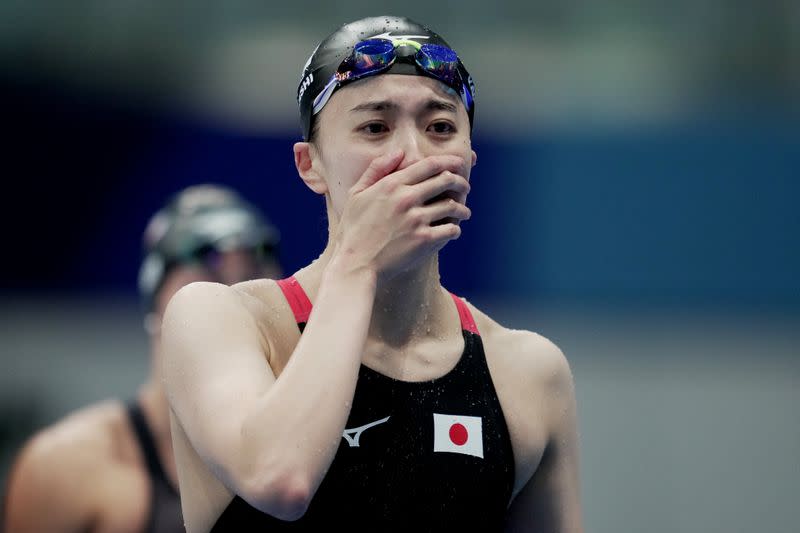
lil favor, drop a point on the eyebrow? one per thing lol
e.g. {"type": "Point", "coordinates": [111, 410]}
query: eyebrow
{"type": "Point", "coordinates": [434, 104]}
{"type": "Point", "coordinates": [375, 105]}
{"type": "Point", "coordinates": [440, 105]}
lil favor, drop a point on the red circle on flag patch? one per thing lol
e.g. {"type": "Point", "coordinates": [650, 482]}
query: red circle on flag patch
{"type": "Point", "coordinates": [458, 434]}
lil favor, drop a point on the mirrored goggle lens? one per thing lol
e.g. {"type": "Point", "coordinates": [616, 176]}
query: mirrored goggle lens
{"type": "Point", "coordinates": [371, 56]}
{"type": "Point", "coordinates": [439, 61]}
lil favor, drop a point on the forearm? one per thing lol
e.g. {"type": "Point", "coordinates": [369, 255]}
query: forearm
{"type": "Point", "coordinates": [296, 426]}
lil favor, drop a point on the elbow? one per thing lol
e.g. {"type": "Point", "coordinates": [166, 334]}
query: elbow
{"type": "Point", "coordinates": [284, 494]}
{"type": "Point", "coordinates": [293, 496]}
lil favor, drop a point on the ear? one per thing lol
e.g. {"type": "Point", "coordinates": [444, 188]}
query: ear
{"type": "Point", "coordinates": [305, 156]}
{"type": "Point", "coordinates": [474, 158]}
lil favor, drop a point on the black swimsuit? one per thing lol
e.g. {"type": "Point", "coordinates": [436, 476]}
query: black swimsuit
{"type": "Point", "coordinates": [415, 456]}
{"type": "Point", "coordinates": [165, 503]}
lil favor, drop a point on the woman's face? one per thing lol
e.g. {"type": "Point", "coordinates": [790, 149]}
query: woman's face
{"type": "Point", "coordinates": [374, 116]}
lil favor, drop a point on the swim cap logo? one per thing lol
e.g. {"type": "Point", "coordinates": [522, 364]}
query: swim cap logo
{"type": "Point", "coordinates": [304, 85]}
{"type": "Point", "coordinates": [388, 35]}
{"type": "Point", "coordinates": [308, 79]}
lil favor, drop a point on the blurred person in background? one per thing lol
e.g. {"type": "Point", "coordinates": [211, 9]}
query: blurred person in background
{"type": "Point", "coordinates": [109, 467]}
{"type": "Point", "coordinates": [359, 392]}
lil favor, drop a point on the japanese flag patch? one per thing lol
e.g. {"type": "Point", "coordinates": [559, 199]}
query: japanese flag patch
{"type": "Point", "coordinates": [458, 434]}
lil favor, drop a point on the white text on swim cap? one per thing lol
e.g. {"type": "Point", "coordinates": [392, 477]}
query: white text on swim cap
{"type": "Point", "coordinates": [304, 85]}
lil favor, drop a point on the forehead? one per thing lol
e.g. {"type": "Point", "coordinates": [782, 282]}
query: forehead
{"type": "Point", "coordinates": [405, 90]}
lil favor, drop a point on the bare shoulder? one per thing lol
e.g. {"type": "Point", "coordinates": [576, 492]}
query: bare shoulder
{"type": "Point", "coordinates": [92, 438]}
{"type": "Point", "coordinates": [263, 297]}
{"type": "Point", "coordinates": [213, 300]}
{"type": "Point", "coordinates": [204, 316]}
{"type": "Point", "coordinates": [524, 353]}
{"type": "Point", "coordinates": [200, 295]}
{"type": "Point", "coordinates": [203, 311]}
{"type": "Point", "coordinates": [274, 317]}
{"type": "Point", "coordinates": [535, 386]}
{"type": "Point", "coordinates": [82, 469]}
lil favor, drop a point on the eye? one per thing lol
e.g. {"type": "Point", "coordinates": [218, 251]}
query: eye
{"type": "Point", "coordinates": [374, 128]}
{"type": "Point", "coordinates": [442, 127]}
{"type": "Point", "coordinates": [209, 256]}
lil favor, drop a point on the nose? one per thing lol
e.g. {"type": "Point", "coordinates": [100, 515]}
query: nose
{"type": "Point", "coordinates": [412, 144]}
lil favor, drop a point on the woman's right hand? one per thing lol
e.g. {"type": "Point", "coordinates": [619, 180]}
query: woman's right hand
{"type": "Point", "coordinates": [393, 218]}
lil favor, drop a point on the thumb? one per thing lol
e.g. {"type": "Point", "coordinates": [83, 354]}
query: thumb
{"type": "Point", "coordinates": [379, 168]}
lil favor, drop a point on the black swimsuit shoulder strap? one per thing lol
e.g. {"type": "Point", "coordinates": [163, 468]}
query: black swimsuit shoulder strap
{"type": "Point", "coordinates": [146, 442]}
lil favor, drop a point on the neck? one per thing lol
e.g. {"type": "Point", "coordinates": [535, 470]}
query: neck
{"type": "Point", "coordinates": [153, 400]}
{"type": "Point", "coordinates": [411, 305]}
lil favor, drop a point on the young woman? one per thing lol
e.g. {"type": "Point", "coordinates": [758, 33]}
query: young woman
{"type": "Point", "coordinates": [359, 392]}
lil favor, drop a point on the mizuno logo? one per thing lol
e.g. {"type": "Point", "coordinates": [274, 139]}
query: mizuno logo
{"type": "Point", "coordinates": [352, 435]}
{"type": "Point", "coordinates": [388, 35]}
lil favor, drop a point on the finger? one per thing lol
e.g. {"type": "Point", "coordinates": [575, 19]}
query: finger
{"type": "Point", "coordinates": [442, 233]}
{"type": "Point", "coordinates": [447, 209]}
{"type": "Point", "coordinates": [430, 166]}
{"type": "Point", "coordinates": [377, 169]}
{"type": "Point", "coordinates": [446, 184]}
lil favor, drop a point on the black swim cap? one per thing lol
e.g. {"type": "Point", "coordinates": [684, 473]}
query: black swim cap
{"type": "Point", "coordinates": [197, 219]}
{"type": "Point", "coordinates": [330, 53]}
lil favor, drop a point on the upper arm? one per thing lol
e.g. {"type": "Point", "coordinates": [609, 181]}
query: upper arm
{"type": "Point", "coordinates": [45, 492]}
{"type": "Point", "coordinates": [550, 500]}
{"type": "Point", "coordinates": [214, 368]}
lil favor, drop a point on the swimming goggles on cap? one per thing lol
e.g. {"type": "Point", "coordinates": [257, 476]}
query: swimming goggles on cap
{"type": "Point", "coordinates": [374, 56]}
